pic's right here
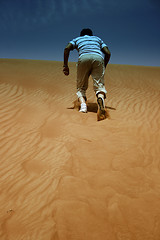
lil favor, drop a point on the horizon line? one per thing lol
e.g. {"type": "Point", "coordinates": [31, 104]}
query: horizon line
{"type": "Point", "coordinates": [28, 59]}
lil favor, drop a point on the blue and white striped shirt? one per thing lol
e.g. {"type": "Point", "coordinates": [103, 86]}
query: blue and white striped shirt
{"type": "Point", "coordinates": [88, 45]}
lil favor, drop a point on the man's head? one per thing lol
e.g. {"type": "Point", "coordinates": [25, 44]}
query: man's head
{"type": "Point", "coordinates": [86, 31]}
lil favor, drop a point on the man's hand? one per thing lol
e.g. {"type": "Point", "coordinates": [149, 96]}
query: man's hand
{"type": "Point", "coordinates": [66, 70]}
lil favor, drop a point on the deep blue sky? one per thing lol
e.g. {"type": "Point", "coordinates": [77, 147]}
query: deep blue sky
{"type": "Point", "coordinates": [40, 29]}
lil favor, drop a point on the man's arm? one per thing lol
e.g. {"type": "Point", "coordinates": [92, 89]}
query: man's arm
{"type": "Point", "coordinates": [67, 50]}
{"type": "Point", "coordinates": [107, 54]}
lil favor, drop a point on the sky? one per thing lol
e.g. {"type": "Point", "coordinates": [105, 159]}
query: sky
{"type": "Point", "coordinates": [40, 29]}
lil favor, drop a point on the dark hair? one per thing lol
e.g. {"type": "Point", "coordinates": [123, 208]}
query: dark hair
{"type": "Point", "coordinates": [86, 31]}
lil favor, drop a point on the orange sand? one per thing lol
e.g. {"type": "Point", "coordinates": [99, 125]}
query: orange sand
{"type": "Point", "coordinates": [65, 176]}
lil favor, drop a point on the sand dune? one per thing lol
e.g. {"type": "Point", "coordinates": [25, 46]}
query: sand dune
{"type": "Point", "coordinates": [66, 176]}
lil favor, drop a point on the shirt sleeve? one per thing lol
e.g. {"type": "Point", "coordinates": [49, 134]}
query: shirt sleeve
{"type": "Point", "coordinates": [73, 42]}
{"type": "Point", "coordinates": [102, 44]}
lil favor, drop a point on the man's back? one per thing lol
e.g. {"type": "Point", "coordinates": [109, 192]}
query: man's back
{"type": "Point", "coordinates": [88, 45]}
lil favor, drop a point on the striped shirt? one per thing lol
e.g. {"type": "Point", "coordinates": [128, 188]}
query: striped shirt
{"type": "Point", "coordinates": [88, 45]}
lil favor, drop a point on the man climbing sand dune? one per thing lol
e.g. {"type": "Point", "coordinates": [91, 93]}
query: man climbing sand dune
{"type": "Point", "coordinates": [93, 58]}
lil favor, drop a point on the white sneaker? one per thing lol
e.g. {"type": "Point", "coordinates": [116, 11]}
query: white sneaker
{"type": "Point", "coordinates": [83, 108]}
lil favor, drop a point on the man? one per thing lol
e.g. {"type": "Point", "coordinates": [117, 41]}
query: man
{"type": "Point", "coordinates": [93, 58]}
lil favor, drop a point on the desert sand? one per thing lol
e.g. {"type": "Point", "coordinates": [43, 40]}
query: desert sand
{"type": "Point", "coordinates": [66, 176]}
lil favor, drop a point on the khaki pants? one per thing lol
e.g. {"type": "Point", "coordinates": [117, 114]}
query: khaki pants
{"type": "Point", "coordinates": [90, 64]}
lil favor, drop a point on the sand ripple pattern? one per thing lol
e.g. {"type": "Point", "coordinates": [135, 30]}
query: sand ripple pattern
{"type": "Point", "coordinates": [65, 176]}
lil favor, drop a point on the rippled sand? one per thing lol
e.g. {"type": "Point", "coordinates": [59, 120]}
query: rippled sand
{"type": "Point", "coordinates": [66, 176]}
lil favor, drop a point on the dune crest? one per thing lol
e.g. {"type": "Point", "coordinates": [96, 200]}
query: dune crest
{"type": "Point", "coordinates": [65, 176]}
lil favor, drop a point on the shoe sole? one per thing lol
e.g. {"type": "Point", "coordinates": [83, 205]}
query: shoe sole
{"type": "Point", "coordinates": [101, 114]}
{"type": "Point", "coordinates": [83, 111]}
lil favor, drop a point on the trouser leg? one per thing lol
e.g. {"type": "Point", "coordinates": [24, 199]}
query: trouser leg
{"type": "Point", "coordinates": [98, 71]}
{"type": "Point", "coordinates": [83, 73]}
